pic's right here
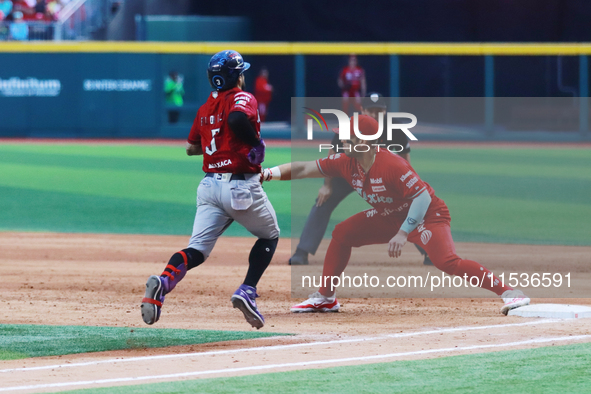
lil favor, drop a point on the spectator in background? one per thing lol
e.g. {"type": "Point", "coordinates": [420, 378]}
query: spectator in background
{"type": "Point", "coordinates": [174, 92]}
{"type": "Point", "coordinates": [41, 12]}
{"type": "Point", "coordinates": [18, 28]}
{"type": "Point", "coordinates": [40, 7]}
{"type": "Point", "coordinates": [23, 6]}
{"type": "Point", "coordinates": [5, 9]}
{"type": "Point", "coordinates": [352, 84]}
{"type": "Point", "coordinates": [3, 27]}
{"type": "Point", "coordinates": [263, 92]}
{"type": "Point", "coordinates": [53, 9]}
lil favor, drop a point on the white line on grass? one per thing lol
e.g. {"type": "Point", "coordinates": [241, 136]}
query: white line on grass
{"type": "Point", "coordinates": [282, 347]}
{"type": "Point", "coordinates": [298, 364]}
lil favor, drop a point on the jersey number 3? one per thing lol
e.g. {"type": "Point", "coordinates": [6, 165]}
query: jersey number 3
{"type": "Point", "coordinates": [210, 150]}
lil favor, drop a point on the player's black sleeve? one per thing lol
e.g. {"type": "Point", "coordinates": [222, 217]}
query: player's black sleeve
{"type": "Point", "coordinates": [401, 139]}
{"type": "Point", "coordinates": [242, 128]}
{"type": "Point", "coordinates": [398, 137]}
{"type": "Point", "coordinates": [336, 142]}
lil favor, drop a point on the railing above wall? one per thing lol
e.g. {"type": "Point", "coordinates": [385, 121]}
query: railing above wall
{"type": "Point", "coordinates": [80, 18]}
{"type": "Point", "coordinates": [313, 48]}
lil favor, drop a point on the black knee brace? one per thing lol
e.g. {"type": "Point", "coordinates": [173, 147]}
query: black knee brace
{"type": "Point", "coordinates": [259, 259]}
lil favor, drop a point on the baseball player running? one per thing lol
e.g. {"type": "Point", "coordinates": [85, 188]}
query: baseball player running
{"type": "Point", "coordinates": [226, 131]}
{"type": "Point", "coordinates": [404, 208]}
{"type": "Point", "coordinates": [335, 190]}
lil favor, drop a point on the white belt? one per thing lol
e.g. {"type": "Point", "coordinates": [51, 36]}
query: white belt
{"type": "Point", "coordinates": [227, 176]}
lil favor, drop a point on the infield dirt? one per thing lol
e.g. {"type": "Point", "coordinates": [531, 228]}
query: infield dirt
{"type": "Point", "coordinates": [90, 279]}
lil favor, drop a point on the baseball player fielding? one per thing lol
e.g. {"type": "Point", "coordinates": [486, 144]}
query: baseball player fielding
{"type": "Point", "coordinates": [405, 208]}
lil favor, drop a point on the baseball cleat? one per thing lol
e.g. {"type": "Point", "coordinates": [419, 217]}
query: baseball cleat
{"type": "Point", "coordinates": [317, 303]}
{"type": "Point", "coordinates": [300, 257]}
{"type": "Point", "coordinates": [298, 260]}
{"type": "Point", "coordinates": [153, 299]}
{"type": "Point", "coordinates": [513, 299]}
{"type": "Point", "coordinates": [244, 299]}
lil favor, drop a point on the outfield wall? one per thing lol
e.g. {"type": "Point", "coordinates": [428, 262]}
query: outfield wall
{"type": "Point", "coordinates": [102, 95]}
{"type": "Point", "coordinates": [115, 89]}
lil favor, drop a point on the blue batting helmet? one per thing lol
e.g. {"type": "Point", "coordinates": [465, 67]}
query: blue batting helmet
{"type": "Point", "coordinates": [224, 69]}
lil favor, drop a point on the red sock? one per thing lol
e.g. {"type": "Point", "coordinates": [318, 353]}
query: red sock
{"type": "Point", "coordinates": [335, 262]}
{"type": "Point", "coordinates": [472, 268]}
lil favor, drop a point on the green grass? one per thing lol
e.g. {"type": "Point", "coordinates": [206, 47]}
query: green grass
{"type": "Point", "coordinates": [513, 195]}
{"type": "Point", "coordinates": [534, 196]}
{"type": "Point", "coordinates": [559, 369]}
{"type": "Point", "coordinates": [139, 189]}
{"type": "Point", "coordinates": [23, 341]}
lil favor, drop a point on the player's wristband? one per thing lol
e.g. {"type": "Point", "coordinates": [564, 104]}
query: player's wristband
{"type": "Point", "coordinates": [270, 174]}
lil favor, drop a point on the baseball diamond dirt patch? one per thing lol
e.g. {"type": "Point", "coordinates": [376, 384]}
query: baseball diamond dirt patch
{"type": "Point", "coordinates": [84, 279]}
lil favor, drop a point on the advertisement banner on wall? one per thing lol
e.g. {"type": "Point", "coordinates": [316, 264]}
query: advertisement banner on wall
{"type": "Point", "coordinates": [29, 87]}
{"type": "Point", "coordinates": [117, 85]}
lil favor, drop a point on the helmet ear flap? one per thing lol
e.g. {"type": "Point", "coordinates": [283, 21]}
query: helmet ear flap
{"type": "Point", "coordinates": [218, 81]}
{"type": "Point", "coordinates": [225, 68]}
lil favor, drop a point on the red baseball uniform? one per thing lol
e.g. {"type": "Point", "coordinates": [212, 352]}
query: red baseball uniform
{"type": "Point", "coordinates": [222, 150]}
{"type": "Point", "coordinates": [351, 77]}
{"type": "Point", "coordinates": [389, 187]}
{"type": "Point", "coordinates": [262, 90]}
{"type": "Point", "coordinates": [263, 93]}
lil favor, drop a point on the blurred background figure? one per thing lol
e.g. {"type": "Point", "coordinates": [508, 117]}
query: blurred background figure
{"type": "Point", "coordinates": [25, 8]}
{"type": "Point", "coordinates": [53, 8]}
{"type": "Point", "coordinates": [174, 92]}
{"type": "Point", "coordinates": [40, 9]}
{"type": "Point", "coordinates": [5, 9]}
{"type": "Point", "coordinates": [263, 92]}
{"type": "Point", "coordinates": [18, 28]}
{"type": "Point", "coordinates": [352, 84]}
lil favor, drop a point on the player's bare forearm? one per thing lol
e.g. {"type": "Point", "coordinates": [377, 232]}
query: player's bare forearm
{"type": "Point", "coordinates": [194, 150]}
{"type": "Point", "coordinates": [289, 171]}
{"type": "Point", "coordinates": [305, 169]}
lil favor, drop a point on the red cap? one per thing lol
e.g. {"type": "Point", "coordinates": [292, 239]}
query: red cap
{"type": "Point", "coordinates": [367, 125]}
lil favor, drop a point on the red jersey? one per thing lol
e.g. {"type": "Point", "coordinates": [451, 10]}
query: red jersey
{"type": "Point", "coordinates": [351, 78]}
{"type": "Point", "coordinates": [262, 90]}
{"type": "Point", "coordinates": [222, 150]}
{"type": "Point", "coordinates": [389, 186]}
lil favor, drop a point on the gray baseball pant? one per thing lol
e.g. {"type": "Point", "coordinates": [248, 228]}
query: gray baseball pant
{"type": "Point", "coordinates": [220, 202]}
